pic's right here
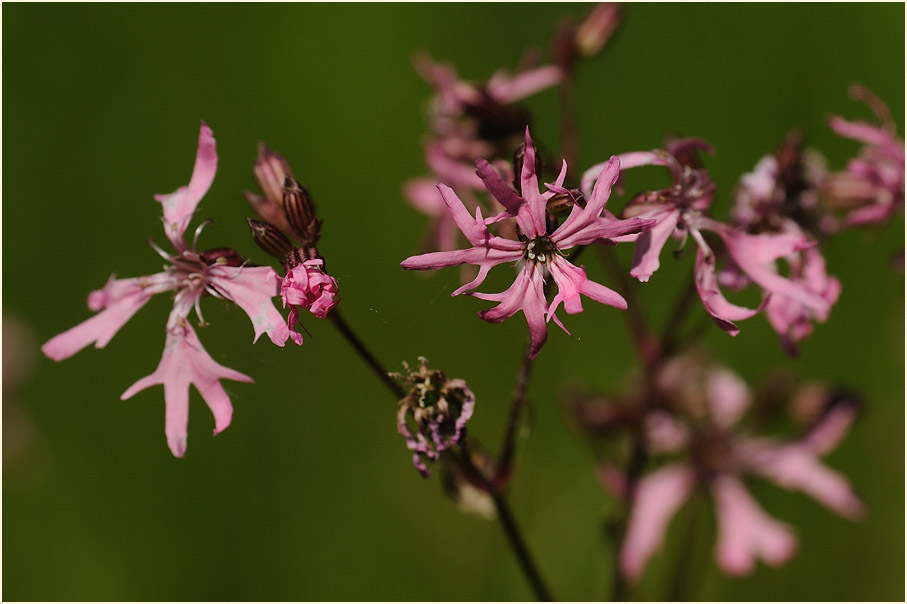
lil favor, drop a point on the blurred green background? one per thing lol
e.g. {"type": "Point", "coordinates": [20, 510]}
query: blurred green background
{"type": "Point", "coordinates": [310, 494]}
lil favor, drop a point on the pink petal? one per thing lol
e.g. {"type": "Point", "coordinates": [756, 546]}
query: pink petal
{"type": "Point", "coordinates": [658, 497]}
{"type": "Point", "coordinates": [186, 362]}
{"type": "Point", "coordinates": [831, 428]}
{"type": "Point", "coordinates": [526, 294]}
{"type": "Point", "coordinates": [795, 467]}
{"type": "Point", "coordinates": [727, 395]}
{"type": "Point", "coordinates": [571, 282]}
{"type": "Point", "coordinates": [117, 302]}
{"type": "Point", "coordinates": [745, 532]}
{"type": "Point", "coordinates": [530, 191]}
{"type": "Point", "coordinates": [722, 311]}
{"type": "Point", "coordinates": [180, 205]}
{"type": "Point", "coordinates": [650, 243]}
{"type": "Point", "coordinates": [580, 218]}
{"type": "Point", "coordinates": [507, 89]}
{"type": "Point", "coordinates": [251, 288]}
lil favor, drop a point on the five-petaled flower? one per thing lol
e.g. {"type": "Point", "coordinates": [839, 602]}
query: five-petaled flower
{"type": "Point", "coordinates": [540, 248]}
{"type": "Point", "coordinates": [191, 274]}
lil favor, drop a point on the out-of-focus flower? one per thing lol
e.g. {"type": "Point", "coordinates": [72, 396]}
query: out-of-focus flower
{"type": "Point", "coordinates": [805, 295]}
{"type": "Point", "coordinates": [469, 120]}
{"type": "Point", "coordinates": [540, 248]}
{"type": "Point", "coordinates": [702, 411]}
{"type": "Point", "coordinates": [871, 189]}
{"type": "Point", "coordinates": [191, 274]}
{"type": "Point", "coordinates": [673, 209]}
{"type": "Point", "coordinates": [306, 285]}
{"type": "Point", "coordinates": [432, 416]}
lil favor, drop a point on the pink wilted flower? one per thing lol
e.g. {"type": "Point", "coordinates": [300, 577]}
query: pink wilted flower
{"type": "Point", "coordinates": [432, 416]}
{"type": "Point", "coordinates": [872, 186]}
{"type": "Point", "coordinates": [702, 418]}
{"type": "Point", "coordinates": [190, 274]}
{"type": "Point", "coordinates": [539, 251]}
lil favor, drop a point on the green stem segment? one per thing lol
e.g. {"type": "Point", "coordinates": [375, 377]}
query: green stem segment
{"type": "Point", "coordinates": [504, 513]}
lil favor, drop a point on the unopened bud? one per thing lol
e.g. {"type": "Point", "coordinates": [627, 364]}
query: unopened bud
{"type": "Point", "coordinates": [271, 170]}
{"type": "Point", "coordinates": [269, 238]}
{"type": "Point", "coordinates": [597, 28]}
{"type": "Point", "coordinates": [300, 212]}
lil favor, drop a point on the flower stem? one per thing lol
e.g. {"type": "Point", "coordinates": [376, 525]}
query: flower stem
{"type": "Point", "coordinates": [505, 463]}
{"type": "Point", "coordinates": [514, 538]}
{"type": "Point", "coordinates": [365, 354]}
{"type": "Point", "coordinates": [519, 548]}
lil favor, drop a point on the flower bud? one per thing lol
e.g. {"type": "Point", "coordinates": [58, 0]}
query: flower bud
{"type": "Point", "coordinates": [269, 238]}
{"type": "Point", "coordinates": [432, 416]}
{"type": "Point", "coordinates": [271, 170]}
{"type": "Point", "coordinates": [300, 212]}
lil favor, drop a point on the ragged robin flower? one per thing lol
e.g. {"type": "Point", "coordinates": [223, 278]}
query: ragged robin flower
{"type": "Point", "coordinates": [191, 275]}
{"type": "Point", "coordinates": [540, 248]}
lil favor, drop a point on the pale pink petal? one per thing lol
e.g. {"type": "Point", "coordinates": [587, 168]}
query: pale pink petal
{"type": "Point", "coordinates": [755, 255]}
{"type": "Point", "coordinates": [117, 302]}
{"type": "Point", "coordinates": [665, 433]}
{"type": "Point", "coordinates": [727, 395]}
{"type": "Point", "coordinates": [650, 243]}
{"type": "Point", "coordinates": [423, 194]}
{"type": "Point", "coordinates": [186, 362]}
{"type": "Point", "coordinates": [180, 205]}
{"type": "Point", "coordinates": [722, 311]}
{"type": "Point", "coordinates": [251, 288]}
{"type": "Point", "coordinates": [658, 497]}
{"type": "Point", "coordinates": [795, 467]}
{"type": "Point", "coordinates": [831, 428]}
{"type": "Point", "coordinates": [860, 131]}
{"type": "Point", "coordinates": [745, 532]}
{"type": "Point", "coordinates": [506, 88]}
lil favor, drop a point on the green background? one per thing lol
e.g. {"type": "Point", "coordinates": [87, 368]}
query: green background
{"type": "Point", "coordinates": [310, 494]}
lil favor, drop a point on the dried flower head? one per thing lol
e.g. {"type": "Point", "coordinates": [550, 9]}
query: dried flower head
{"type": "Point", "coordinates": [432, 416]}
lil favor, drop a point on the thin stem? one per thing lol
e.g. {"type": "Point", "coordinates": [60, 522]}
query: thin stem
{"type": "Point", "coordinates": [365, 354]}
{"type": "Point", "coordinates": [519, 548]}
{"type": "Point", "coordinates": [568, 120]}
{"type": "Point", "coordinates": [670, 339]}
{"type": "Point", "coordinates": [505, 464]}
{"type": "Point", "coordinates": [514, 538]}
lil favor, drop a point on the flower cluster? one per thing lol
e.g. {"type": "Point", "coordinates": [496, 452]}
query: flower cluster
{"type": "Point", "coordinates": [541, 245]}
{"type": "Point", "coordinates": [190, 274]}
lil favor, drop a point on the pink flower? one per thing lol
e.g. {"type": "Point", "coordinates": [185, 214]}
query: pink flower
{"type": "Point", "coordinates": [540, 249]}
{"type": "Point", "coordinates": [872, 186]}
{"type": "Point", "coordinates": [190, 274]}
{"type": "Point", "coordinates": [307, 286]}
{"type": "Point", "coordinates": [714, 400]}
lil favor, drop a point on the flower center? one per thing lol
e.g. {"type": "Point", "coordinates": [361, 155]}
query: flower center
{"type": "Point", "coordinates": [541, 249]}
